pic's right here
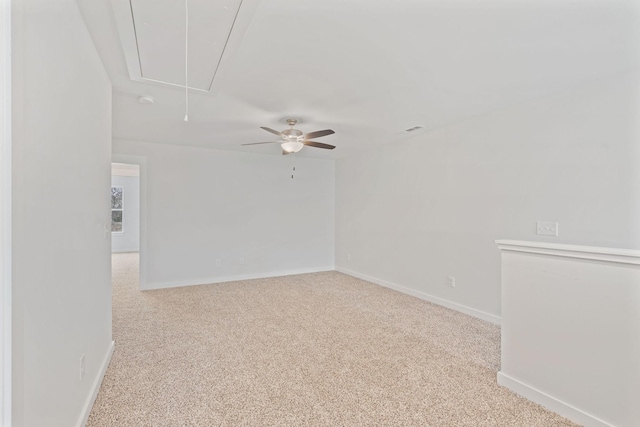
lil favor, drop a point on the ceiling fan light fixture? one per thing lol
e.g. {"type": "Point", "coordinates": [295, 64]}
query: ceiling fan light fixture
{"type": "Point", "coordinates": [293, 140]}
{"type": "Point", "coordinates": [292, 146]}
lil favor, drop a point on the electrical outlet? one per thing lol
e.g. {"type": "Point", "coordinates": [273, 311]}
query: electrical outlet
{"type": "Point", "coordinates": [547, 228]}
{"type": "Point", "coordinates": [241, 261]}
{"type": "Point", "coordinates": [348, 257]}
{"type": "Point", "coordinates": [451, 281]}
{"type": "Point", "coordinates": [218, 263]}
{"type": "Point", "coordinates": [82, 366]}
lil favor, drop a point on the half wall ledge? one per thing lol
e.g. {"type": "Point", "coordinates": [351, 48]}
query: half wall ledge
{"type": "Point", "coordinates": [571, 329]}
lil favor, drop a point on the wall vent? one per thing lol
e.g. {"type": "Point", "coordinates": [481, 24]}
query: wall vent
{"type": "Point", "coordinates": [413, 129]}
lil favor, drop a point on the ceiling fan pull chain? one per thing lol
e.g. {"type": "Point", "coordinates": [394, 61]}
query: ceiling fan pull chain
{"type": "Point", "coordinates": [293, 158]}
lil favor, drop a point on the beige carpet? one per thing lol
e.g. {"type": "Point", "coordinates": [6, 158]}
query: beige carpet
{"type": "Point", "coordinates": [320, 349]}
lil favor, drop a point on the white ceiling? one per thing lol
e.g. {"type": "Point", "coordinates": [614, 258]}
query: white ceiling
{"type": "Point", "coordinates": [365, 68]}
{"type": "Point", "coordinates": [157, 28]}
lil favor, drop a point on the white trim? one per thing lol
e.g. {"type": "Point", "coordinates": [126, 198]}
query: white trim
{"type": "Point", "coordinates": [622, 256]}
{"type": "Point", "coordinates": [125, 169]}
{"type": "Point", "coordinates": [5, 214]}
{"type": "Point", "coordinates": [550, 402]}
{"type": "Point", "coordinates": [424, 296]}
{"type": "Point", "coordinates": [235, 278]}
{"type": "Point", "coordinates": [124, 250]}
{"type": "Point", "coordinates": [95, 388]}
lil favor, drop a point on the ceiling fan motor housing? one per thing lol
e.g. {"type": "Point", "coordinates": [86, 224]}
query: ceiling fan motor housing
{"type": "Point", "coordinates": [292, 135]}
{"type": "Point", "coordinates": [292, 138]}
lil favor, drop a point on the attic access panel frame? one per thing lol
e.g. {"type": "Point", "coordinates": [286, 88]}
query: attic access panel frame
{"type": "Point", "coordinates": [142, 62]}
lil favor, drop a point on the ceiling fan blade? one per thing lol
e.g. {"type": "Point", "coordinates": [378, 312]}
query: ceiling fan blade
{"type": "Point", "coordinates": [318, 134]}
{"type": "Point", "coordinates": [256, 143]}
{"type": "Point", "coordinates": [319, 145]}
{"type": "Point", "coordinates": [275, 132]}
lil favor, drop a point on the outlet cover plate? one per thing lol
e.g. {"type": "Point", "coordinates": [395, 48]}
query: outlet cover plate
{"type": "Point", "coordinates": [547, 228]}
{"type": "Point", "coordinates": [82, 366]}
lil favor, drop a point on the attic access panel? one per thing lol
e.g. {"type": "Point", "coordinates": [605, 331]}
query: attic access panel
{"type": "Point", "coordinates": [152, 33]}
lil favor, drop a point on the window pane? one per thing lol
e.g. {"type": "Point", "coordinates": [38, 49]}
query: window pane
{"type": "Point", "coordinates": [116, 221]}
{"type": "Point", "coordinates": [116, 197]}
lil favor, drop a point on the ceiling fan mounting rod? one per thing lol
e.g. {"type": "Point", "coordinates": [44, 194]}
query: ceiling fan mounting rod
{"type": "Point", "coordinates": [292, 122]}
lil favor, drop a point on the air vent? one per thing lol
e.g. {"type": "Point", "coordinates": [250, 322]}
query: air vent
{"type": "Point", "coordinates": [413, 129]}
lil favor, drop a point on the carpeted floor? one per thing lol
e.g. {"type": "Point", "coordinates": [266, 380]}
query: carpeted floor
{"type": "Point", "coordinates": [321, 349]}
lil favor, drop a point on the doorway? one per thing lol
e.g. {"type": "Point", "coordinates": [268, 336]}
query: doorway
{"type": "Point", "coordinates": [125, 208]}
{"type": "Point", "coordinates": [129, 237]}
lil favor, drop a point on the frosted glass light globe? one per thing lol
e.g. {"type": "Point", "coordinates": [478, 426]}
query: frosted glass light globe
{"type": "Point", "coordinates": [292, 146]}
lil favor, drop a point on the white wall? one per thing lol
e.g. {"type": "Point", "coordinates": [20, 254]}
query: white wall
{"type": "Point", "coordinates": [129, 239]}
{"type": "Point", "coordinates": [412, 213]}
{"type": "Point", "coordinates": [62, 291]}
{"type": "Point", "coordinates": [571, 330]}
{"type": "Point", "coordinates": [200, 206]}
{"type": "Point", "coordinates": [5, 213]}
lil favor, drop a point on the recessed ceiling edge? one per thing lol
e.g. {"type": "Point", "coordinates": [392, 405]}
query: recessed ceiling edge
{"type": "Point", "coordinates": [125, 23]}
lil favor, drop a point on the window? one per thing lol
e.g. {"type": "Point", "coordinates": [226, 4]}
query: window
{"type": "Point", "coordinates": [116, 209]}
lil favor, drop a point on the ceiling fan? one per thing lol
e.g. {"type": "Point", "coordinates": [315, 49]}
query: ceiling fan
{"type": "Point", "coordinates": [293, 140]}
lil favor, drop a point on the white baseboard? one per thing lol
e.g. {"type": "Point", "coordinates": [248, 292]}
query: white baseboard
{"type": "Point", "coordinates": [235, 278]}
{"type": "Point", "coordinates": [422, 295]}
{"type": "Point", "coordinates": [558, 406]}
{"type": "Point", "coordinates": [125, 250]}
{"type": "Point", "coordinates": [95, 388]}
